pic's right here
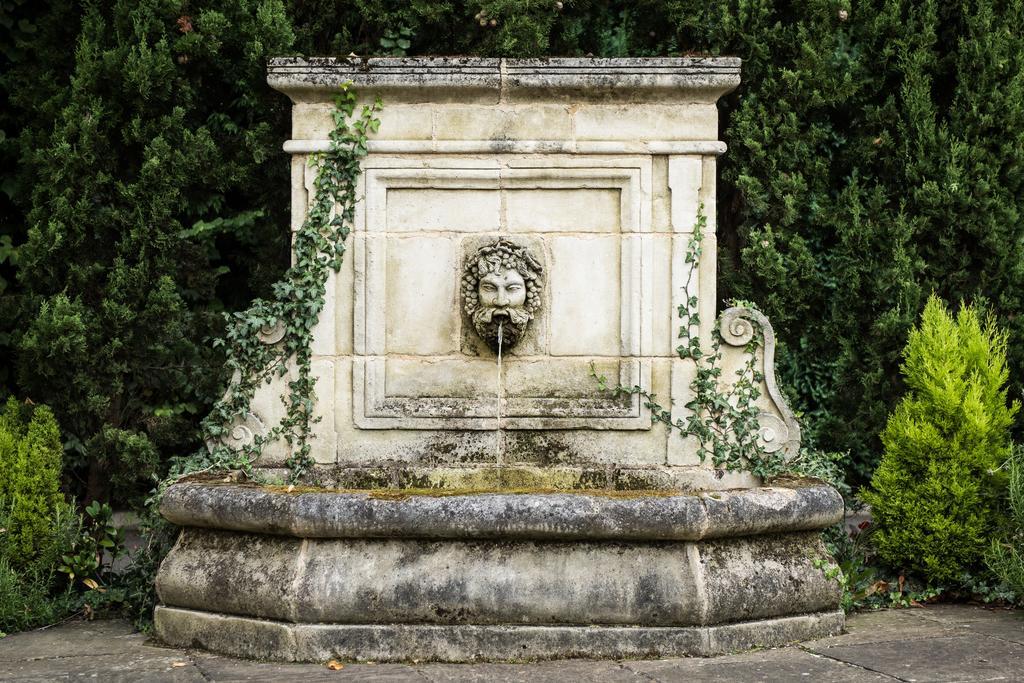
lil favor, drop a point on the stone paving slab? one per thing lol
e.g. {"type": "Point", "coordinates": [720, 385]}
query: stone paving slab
{"type": "Point", "coordinates": [935, 643]}
{"type": "Point", "coordinates": [146, 664]}
{"type": "Point", "coordinates": [564, 671]}
{"type": "Point", "coordinates": [786, 664]}
{"type": "Point", "coordinates": [958, 658]}
{"type": "Point", "coordinates": [216, 668]}
{"type": "Point", "coordinates": [995, 623]}
{"type": "Point", "coordinates": [76, 638]}
{"type": "Point", "coordinates": [884, 625]}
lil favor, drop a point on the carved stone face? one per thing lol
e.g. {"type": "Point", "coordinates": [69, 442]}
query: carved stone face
{"type": "Point", "coordinates": [501, 291]}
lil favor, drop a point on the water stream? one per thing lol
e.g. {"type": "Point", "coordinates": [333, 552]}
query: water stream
{"type": "Point", "coordinates": [497, 406]}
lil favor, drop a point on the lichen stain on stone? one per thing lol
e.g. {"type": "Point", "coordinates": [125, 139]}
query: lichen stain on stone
{"type": "Point", "coordinates": [540, 448]}
{"type": "Point", "coordinates": [445, 449]}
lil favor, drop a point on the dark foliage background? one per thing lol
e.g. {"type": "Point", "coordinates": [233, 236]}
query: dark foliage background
{"type": "Point", "coordinates": [873, 159]}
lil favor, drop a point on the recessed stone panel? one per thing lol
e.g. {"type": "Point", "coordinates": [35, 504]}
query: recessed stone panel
{"type": "Point", "coordinates": [419, 303]}
{"type": "Point", "coordinates": [557, 377]}
{"type": "Point", "coordinates": [568, 209]}
{"type": "Point", "coordinates": [462, 210]}
{"type": "Point", "coordinates": [440, 377]}
{"type": "Point", "coordinates": [419, 363]}
{"type": "Point", "coordinates": [586, 288]}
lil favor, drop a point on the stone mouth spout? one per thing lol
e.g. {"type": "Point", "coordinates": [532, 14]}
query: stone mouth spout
{"type": "Point", "coordinates": [501, 289]}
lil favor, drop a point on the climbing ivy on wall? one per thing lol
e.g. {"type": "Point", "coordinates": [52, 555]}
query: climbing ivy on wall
{"type": "Point", "coordinates": [722, 415]}
{"type": "Point", "coordinates": [273, 338]}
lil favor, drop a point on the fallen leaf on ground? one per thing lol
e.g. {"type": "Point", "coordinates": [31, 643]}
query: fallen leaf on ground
{"type": "Point", "coordinates": [177, 664]}
{"type": "Point", "coordinates": [335, 665]}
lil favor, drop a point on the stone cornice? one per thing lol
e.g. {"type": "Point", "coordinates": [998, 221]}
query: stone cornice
{"type": "Point", "coordinates": [484, 79]}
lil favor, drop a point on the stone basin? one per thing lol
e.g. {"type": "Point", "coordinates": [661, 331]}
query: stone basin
{"type": "Point", "coordinates": [392, 574]}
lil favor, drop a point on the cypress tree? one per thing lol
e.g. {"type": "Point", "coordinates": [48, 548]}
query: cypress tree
{"type": "Point", "coordinates": [30, 457]}
{"type": "Point", "coordinates": [159, 150]}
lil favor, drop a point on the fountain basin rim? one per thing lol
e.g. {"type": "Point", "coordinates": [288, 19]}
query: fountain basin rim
{"type": "Point", "coordinates": [787, 506]}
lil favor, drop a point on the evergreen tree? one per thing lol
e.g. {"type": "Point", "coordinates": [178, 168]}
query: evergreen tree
{"type": "Point", "coordinates": [30, 497]}
{"type": "Point", "coordinates": [160, 151]}
{"type": "Point", "coordinates": [934, 498]}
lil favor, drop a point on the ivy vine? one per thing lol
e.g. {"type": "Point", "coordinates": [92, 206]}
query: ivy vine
{"type": "Point", "coordinates": [724, 422]}
{"type": "Point", "coordinates": [272, 338]}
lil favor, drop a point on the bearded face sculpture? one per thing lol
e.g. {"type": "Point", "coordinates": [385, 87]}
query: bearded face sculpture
{"type": "Point", "coordinates": [501, 287]}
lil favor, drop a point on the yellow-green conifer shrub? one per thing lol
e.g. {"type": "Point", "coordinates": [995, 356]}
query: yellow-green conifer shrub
{"type": "Point", "coordinates": [30, 460]}
{"type": "Point", "coordinates": [935, 495]}
{"type": "Point", "coordinates": [36, 524]}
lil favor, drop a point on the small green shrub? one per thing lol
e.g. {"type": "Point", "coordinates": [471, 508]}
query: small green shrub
{"type": "Point", "coordinates": [31, 593]}
{"type": "Point", "coordinates": [24, 601]}
{"type": "Point", "coordinates": [51, 563]}
{"type": "Point", "coordinates": [935, 495]}
{"type": "Point", "coordinates": [96, 548]}
{"type": "Point", "coordinates": [1006, 555]}
{"type": "Point", "coordinates": [30, 458]}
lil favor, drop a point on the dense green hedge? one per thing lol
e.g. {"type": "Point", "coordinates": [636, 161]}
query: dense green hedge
{"type": "Point", "coordinates": [153, 190]}
{"type": "Point", "coordinates": [873, 159]}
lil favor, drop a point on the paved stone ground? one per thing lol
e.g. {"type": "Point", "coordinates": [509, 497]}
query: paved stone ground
{"type": "Point", "coordinates": [935, 643]}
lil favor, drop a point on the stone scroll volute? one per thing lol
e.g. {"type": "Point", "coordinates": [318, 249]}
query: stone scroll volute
{"type": "Point", "coordinates": [779, 430]}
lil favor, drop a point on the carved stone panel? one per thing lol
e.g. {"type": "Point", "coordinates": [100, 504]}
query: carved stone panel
{"type": "Point", "coordinates": [576, 261]}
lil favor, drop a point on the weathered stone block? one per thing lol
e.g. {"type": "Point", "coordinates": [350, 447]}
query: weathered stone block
{"type": "Point", "coordinates": [418, 284]}
{"type": "Point", "coordinates": [496, 582]}
{"type": "Point", "coordinates": [244, 637]}
{"type": "Point", "coordinates": [653, 122]}
{"type": "Point", "coordinates": [645, 513]}
{"type": "Point", "coordinates": [467, 562]}
{"type": "Point", "coordinates": [314, 121]}
{"type": "Point", "coordinates": [527, 122]}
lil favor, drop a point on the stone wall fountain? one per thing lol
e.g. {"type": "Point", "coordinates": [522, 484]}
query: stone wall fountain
{"type": "Point", "coordinates": [535, 213]}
